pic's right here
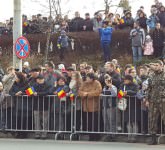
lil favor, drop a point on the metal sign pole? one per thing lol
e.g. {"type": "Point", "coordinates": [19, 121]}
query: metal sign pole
{"type": "Point", "coordinates": [17, 32]}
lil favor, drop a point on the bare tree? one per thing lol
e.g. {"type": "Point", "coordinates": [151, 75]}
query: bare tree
{"type": "Point", "coordinates": [125, 4]}
{"type": "Point", "coordinates": [107, 5]}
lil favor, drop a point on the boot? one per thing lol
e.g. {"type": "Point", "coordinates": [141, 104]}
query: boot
{"type": "Point", "coordinates": [153, 140]}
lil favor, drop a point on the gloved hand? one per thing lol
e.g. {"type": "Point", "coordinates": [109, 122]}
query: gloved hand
{"type": "Point", "coordinates": [59, 46]}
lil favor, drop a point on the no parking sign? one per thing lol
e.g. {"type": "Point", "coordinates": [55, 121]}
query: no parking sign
{"type": "Point", "coordinates": [22, 47]}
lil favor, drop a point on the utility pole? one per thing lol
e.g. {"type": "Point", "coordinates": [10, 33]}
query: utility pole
{"type": "Point", "coordinates": [17, 32]}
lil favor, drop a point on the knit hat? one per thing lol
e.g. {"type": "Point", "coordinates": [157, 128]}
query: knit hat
{"type": "Point", "coordinates": [63, 32]}
{"type": "Point", "coordinates": [26, 64]}
{"type": "Point", "coordinates": [61, 66]}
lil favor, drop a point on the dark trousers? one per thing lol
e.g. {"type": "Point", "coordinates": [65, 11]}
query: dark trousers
{"type": "Point", "coordinates": [6, 119]}
{"type": "Point", "coordinates": [78, 120]}
{"type": "Point", "coordinates": [23, 120]}
{"type": "Point", "coordinates": [145, 121]}
{"type": "Point", "coordinates": [62, 51]}
{"type": "Point", "coordinates": [106, 50]}
{"type": "Point", "coordinates": [158, 51]}
{"type": "Point", "coordinates": [91, 124]}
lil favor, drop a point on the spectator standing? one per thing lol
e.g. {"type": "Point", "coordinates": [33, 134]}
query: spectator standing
{"type": "Point", "coordinates": [87, 23]}
{"type": "Point", "coordinates": [41, 107]}
{"type": "Point", "coordinates": [76, 24]}
{"type": "Point", "coordinates": [97, 21]}
{"type": "Point", "coordinates": [74, 85]}
{"type": "Point", "coordinates": [162, 16]}
{"type": "Point", "coordinates": [7, 105]}
{"type": "Point", "coordinates": [106, 36]}
{"type": "Point", "coordinates": [26, 68]}
{"type": "Point", "coordinates": [138, 37]}
{"type": "Point", "coordinates": [62, 44]}
{"type": "Point", "coordinates": [142, 21]}
{"type": "Point", "coordinates": [82, 70]}
{"type": "Point", "coordinates": [153, 19]}
{"type": "Point", "coordinates": [132, 112]}
{"type": "Point", "coordinates": [148, 46]}
{"type": "Point", "coordinates": [129, 21]}
{"type": "Point", "coordinates": [158, 39]}
{"type": "Point", "coordinates": [109, 105]}
{"type": "Point", "coordinates": [110, 69]}
{"type": "Point", "coordinates": [51, 74]}
{"type": "Point", "coordinates": [60, 106]}
{"type": "Point", "coordinates": [90, 92]}
{"type": "Point", "coordinates": [17, 90]}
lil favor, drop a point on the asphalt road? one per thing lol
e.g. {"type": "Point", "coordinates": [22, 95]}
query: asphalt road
{"type": "Point", "coordinates": [13, 144]}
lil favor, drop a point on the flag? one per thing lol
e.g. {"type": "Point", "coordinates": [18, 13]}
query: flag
{"type": "Point", "coordinates": [61, 93]}
{"type": "Point", "coordinates": [72, 96]}
{"type": "Point", "coordinates": [25, 24]}
{"type": "Point", "coordinates": [120, 94]}
{"type": "Point", "coordinates": [30, 91]}
{"type": "Point", "coordinates": [39, 47]}
{"type": "Point", "coordinates": [121, 21]}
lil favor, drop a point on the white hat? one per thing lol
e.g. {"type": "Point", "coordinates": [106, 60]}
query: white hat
{"type": "Point", "coordinates": [148, 37]}
{"type": "Point", "coordinates": [26, 64]}
{"type": "Point", "coordinates": [61, 66]}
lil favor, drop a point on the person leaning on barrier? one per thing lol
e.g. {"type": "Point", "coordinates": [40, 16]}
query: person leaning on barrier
{"type": "Point", "coordinates": [40, 103]}
{"type": "Point", "coordinates": [132, 113]}
{"type": "Point", "coordinates": [74, 85]}
{"type": "Point", "coordinates": [34, 73]}
{"type": "Point", "coordinates": [143, 75]}
{"type": "Point", "coordinates": [156, 99]}
{"type": "Point", "coordinates": [9, 79]}
{"type": "Point", "coordinates": [89, 92]}
{"type": "Point", "coordinates": [60, 106]}
{"type": "Point", "coordinates": [6, 101]}
{"type": "Point", "coordinates": [2, 113]}
{"type": "Point", "coordinates": [17, 91]}
{"type": "Point", "coordinates": [109, 106]}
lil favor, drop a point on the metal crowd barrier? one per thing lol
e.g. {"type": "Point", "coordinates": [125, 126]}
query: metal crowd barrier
{"type": "Point", "coordinates": [93, 116]}
{"type": "Point", "coordinates": [41, 114]}
{"type": "Point", "coordinates": [108, 119]}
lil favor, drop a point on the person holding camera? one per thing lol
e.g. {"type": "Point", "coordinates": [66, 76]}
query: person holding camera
{"type": "Point", "coordinates": [109, 106]}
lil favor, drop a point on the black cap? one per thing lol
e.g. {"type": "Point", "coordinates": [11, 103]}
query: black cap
{"type": "Point", "coordinates": [17, 69]}
{"type": "Point", "coordinates": [70, 69]}
{"type": "Point", "coordinates": [128, 77]}
{"type": "Point", "coordinates": [87, 14]}
{"type": "Point", "coordinates": [105, 22]}
{"type": "Point", "coordinates": [91, 76]}
{"type": "Point", "coordinates": [35, 70]}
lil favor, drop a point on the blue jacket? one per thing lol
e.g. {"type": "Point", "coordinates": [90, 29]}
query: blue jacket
{"type": "Point", "coordinates": [106, 34]}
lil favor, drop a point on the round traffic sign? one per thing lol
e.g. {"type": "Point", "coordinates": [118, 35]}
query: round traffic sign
{"type": "Point", "coordinates": [22, 47]}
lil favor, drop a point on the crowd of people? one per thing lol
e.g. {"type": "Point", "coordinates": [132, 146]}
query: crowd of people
{"type": "Point", "coordinates": [129, 98]}
{"type": "Point", "coordinates": [39, 24]}
{"type": "Point", "coordinates": [143, 91]}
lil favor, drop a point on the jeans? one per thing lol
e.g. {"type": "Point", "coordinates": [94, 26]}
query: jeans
{"type": "Point", "coordinates": [137, 54]}
{"type": "Point", "coordinates": [106, 50]}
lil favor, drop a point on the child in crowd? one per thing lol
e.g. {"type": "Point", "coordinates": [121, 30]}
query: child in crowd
{"type": "Point", "coordinates": [62, 44]}
{"type": "Point", "coordinates": [148, 47]}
